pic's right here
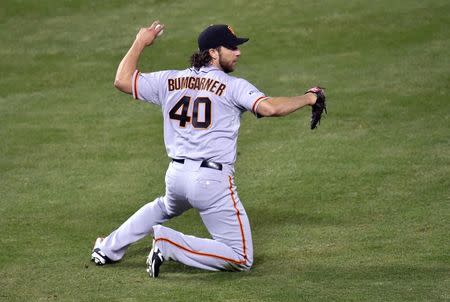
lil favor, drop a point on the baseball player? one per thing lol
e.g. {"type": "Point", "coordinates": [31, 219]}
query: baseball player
{"type": "Point", "coordinates": [202, 106]}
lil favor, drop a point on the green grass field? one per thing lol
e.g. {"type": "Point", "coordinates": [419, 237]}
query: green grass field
{"type": "Point", "coordinates": [358, 210]}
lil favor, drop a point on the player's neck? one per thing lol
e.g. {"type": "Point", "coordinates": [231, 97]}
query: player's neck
{"type": "Point", "coordinates": [216, 64]}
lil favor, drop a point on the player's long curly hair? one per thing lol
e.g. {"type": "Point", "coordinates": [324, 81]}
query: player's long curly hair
{"type": "Point", "coordinates": [200, 59]}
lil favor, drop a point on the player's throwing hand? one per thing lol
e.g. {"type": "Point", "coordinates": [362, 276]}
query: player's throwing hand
{"type": "Point", "coordinates": [147, 35]}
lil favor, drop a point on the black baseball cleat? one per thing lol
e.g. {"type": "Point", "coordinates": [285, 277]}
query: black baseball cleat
{"type": "Point", "coordinates": [97, 256]}
{"type": "Point", "coordinates": [154, 261]}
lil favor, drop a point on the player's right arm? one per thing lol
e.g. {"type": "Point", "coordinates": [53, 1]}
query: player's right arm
{"type": "Point", "coordinates": [127, 66]}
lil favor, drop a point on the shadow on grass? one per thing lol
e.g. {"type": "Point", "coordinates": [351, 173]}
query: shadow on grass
{"type": "Point", "coordinates": [135, 259]}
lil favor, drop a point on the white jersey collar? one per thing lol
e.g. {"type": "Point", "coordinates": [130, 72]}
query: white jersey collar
{"type": "Point", "coordinates": [208, 68]}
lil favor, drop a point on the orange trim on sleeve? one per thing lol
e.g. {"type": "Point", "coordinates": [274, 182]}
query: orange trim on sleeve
{"type": "Point", "coordinates": [255, 103]}
{"type": "Point", "coordinates": [135, 92]}
{"type": "Point", "coordinates": [199, 253]}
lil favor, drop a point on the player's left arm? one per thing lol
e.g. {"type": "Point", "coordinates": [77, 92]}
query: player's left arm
{"type": "Point", "coordinates": [281, 106]}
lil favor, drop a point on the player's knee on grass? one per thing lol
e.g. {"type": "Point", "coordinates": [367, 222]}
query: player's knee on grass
{"type": "Point", "coordinates": [245, 266]}
{"type": "Point", "coordinates": [248, 264]}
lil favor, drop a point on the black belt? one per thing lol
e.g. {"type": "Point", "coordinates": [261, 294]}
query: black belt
{"type": "Point", "coordinates": [205, 164]}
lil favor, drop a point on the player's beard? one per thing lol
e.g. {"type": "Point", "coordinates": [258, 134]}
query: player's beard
{"type": "Point", "coordinates": [227, 66]}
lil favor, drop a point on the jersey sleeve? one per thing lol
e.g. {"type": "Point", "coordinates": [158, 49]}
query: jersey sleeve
{"type": "Point", "coordinates": [246, 96]}
{"type": "Point", "coordinates": [148, 87]}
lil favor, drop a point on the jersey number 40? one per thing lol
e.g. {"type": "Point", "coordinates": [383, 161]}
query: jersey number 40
{"type": "Point", "coordinates": [180, 112]}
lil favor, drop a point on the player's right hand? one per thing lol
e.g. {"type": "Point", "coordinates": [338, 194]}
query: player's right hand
{"type": "Point", "coordinates": [147, 35]}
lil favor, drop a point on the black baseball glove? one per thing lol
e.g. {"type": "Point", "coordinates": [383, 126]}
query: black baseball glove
{"type": "Point", "coordinates": [319, 107]}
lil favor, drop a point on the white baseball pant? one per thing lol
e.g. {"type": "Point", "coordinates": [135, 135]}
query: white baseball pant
{"type": "Point", "coordinates": [213, 194]}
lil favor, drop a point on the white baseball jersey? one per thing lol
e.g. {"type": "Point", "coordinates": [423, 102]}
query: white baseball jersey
{"type": "Point", "coordinates": [201, 109]}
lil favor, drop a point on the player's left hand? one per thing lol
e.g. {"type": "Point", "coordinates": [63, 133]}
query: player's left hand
{"type": "Point", "coordinates": [319, 106]}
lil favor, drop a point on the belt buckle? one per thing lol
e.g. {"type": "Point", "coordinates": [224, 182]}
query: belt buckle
{"type": "Point", "coordinates": [211, 165]}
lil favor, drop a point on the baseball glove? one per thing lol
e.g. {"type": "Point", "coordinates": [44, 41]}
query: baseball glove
{"type": "Point", "coordinates": [319, 107]}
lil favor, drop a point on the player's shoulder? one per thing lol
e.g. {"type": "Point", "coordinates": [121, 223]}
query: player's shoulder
{"type": "Point", "coordinates": [161, 72]}
{"type": "Point", "coordinates": [237, 81]}
{"type": "Point", "coordinates": [163, 75]}
{"type": "Point", "coordinates": [187, 72]}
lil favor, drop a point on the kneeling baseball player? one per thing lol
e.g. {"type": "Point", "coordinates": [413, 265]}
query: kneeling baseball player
{"type": "Point", "coordinates": [202, 106]}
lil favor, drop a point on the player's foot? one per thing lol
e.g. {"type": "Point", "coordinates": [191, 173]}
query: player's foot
{"type": "Point", "coordinates": [154, 261]}
{"type": "Point", "coordinates": [97, 255]}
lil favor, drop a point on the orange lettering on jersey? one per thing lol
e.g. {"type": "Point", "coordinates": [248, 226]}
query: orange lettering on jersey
{"type": "Point", "coordinates": [208, 84]}
{"type": "Point", "coordinates": [183, 83]}
{"type": "Point", "coordinates": [191, 83]}
{"type": "Point", "coordinates": [177, 84]}
{"type": "Point", "coordinates": [220, 90]}
{"type": "Point", "coordinates": [202, 83]}
{"type": "Point", "coordinates": [213, 87]}
{"type": "Point", "coordinates": [170, 84]}
{"type": "Point", "coordinates": [196, 83]}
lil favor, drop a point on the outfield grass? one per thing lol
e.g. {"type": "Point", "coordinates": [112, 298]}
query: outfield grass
{"type": "Point", "coordinates": [358, 210]}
